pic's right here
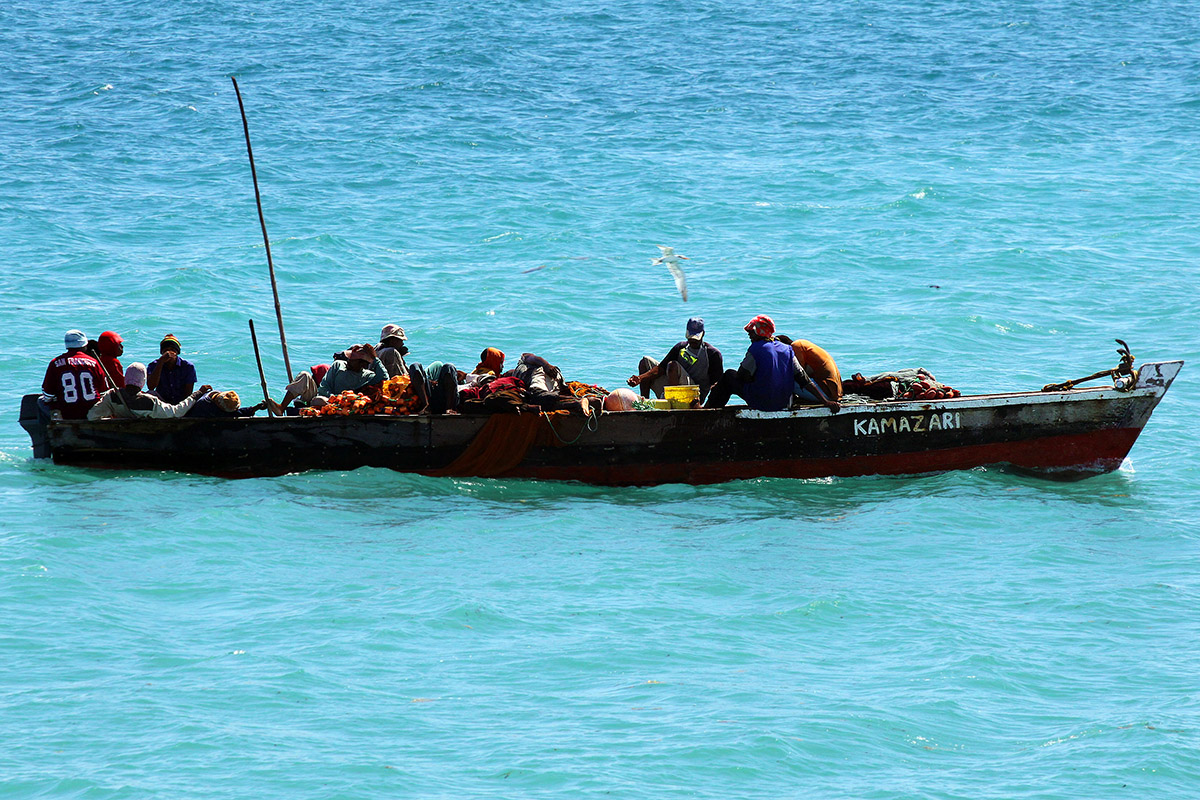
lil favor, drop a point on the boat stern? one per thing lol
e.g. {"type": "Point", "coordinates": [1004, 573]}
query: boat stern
{"type": "Point", "coordinates": [35, 425]}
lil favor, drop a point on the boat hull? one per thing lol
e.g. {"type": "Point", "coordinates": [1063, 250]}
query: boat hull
{"type": "Point", "coordinates": [1066, 435]}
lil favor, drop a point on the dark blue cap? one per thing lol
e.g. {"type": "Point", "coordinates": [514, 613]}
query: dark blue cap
{"type": "Point", "coordinates": [695, 327]}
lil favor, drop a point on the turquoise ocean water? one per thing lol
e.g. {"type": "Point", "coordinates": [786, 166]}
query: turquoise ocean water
{"type": "Point", "coordinates": [375, 635]}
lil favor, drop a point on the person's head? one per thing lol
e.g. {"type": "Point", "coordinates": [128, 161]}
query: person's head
{"type": "Point", "coordinates": [357, 358]}
{"type": "Point", "coordinates": [490, 360]}
{"type": "Point", "coordinates": [75, 340]}
{"type": "Point", "coordinates": [170, 344]}
{"type": "Point", "coordinates": [111, 344]}
{"type": "Point", "coordinates": [227, 401]}
{"type": "Point", "coordinates": [779, 337]}
{"type": "Point", "coordinates": [135, 375]}
{"type": "Point", "coordinates": [761, 327]}
{"type": "Point", "coordinates": [392, 336]}
{"type": "Point", "coordinates": [695, 331]}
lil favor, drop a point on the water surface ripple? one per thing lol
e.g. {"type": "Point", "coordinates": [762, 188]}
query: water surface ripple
{"type": "Point", "coordinates": [992, 193]}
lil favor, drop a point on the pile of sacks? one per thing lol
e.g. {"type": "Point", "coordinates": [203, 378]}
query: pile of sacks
{"type": "Point", "coordinates": [395, 396]}
{"type": "Point", "coordinates": [923, 386]}
{"type": "Point", "coordinates": [911, 383]}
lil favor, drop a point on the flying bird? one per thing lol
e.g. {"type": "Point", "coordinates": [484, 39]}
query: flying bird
{"type": "Point", "coordinates": [671, 259]}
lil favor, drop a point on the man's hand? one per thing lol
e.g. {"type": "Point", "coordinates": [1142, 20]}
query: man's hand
{"type": "Point", "coordinates": [370, 350]}
{"type": "Point", "coordinates": [204, 389]}
{"type": "Point", "coordinates": [634, 380]}
{"type": "Point", "coordinates": [833, 406]}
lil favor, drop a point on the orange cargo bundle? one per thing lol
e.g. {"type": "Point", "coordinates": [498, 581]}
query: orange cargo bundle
{"type": "Point", "coordinates": [395, 397]}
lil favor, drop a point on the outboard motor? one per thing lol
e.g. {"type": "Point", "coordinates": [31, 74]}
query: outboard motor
{"type": "Point", "coordinates": [34, 424]}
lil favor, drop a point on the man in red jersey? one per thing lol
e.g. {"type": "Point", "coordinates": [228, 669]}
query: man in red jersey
{"type": "Point", "coordinates": [74, 380]}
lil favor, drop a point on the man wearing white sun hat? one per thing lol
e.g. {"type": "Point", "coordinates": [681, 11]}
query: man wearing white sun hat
{"type": "Point", "coordinates": [74, 380]}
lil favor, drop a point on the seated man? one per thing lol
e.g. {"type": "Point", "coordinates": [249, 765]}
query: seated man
{"type": "Point", "coordinates": [819, 366]}
{"type": "Point", "coordinates": [472, 385]}
{"type": "Point", "coordinates": [131, 402]}
{"type": "Point", "coordinates": [392, 350]}
{"type": "Point", "coordinates": [221, 405]}
{"type": "Point", "coordinates": [73, 382]}
{"type": "Point", "coordinates": [353, 369]}
{"type": "Point", "coordinates": [171, 377]}
{"type": "Point", "coordinates": [491, 362]}
{"type": "Point", "coordinates": [692, 362]}
{"type": "Point", "coordinates": [436, 387]}
{"type": "Point", "coordinates": [767, 375]}
{"type": "Point", "coordinates": [108, 351]}
{"type": "Point", "coordinates": [304, 386]}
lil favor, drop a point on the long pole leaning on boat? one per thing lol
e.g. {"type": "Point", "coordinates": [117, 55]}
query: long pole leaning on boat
{"type": "Point", "coordinates": [107, 374]}
{"type": "Point", "coordinates": [262, 377]}
{"type": "Point", "coordinates": [263, 222]}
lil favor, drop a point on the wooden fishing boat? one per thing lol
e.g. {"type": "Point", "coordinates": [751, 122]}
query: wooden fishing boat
{"type": "Point", "coordinates": [1068, 434]}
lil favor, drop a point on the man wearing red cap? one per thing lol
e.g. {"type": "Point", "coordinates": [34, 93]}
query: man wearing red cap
{"type": "Point", "coordinates": [108, 351]}
{"type": "Point", "coordinates": [767, 375]}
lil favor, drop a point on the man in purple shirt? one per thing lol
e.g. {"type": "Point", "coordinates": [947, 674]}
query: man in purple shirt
{"type": "Point", "coordinates": [171, 377]}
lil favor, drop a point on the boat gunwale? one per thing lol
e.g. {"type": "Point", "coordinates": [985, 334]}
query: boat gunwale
{"type": "Point", "coordinates": [995, 400]}
{"type": "Point", "coordinates": [990, 400]}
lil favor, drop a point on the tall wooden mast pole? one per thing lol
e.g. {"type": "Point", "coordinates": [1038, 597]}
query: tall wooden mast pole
{"type": "Point", "coordinates": [263, 222]}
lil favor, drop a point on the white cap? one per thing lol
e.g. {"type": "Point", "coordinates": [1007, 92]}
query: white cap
{"type": "Point", "coordinates": [392, 330]}
{"type": "Point", "coordinates": [75, 340]}
{"type": "Point", "coordinates": [135, 374]}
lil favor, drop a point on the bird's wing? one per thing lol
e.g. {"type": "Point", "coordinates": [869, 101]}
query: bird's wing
{"type": "Point", "coordinates": [680, 280]}
{"type": "Point", "coordinates": [666, 251]}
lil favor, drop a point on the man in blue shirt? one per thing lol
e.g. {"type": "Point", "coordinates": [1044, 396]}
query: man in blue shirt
{"type": "Point", "coordinates": [171, 378]}
{"type": "Point", "coordinates": [360, 367]}
{"type": "Point", "coordinates": [767, 375]}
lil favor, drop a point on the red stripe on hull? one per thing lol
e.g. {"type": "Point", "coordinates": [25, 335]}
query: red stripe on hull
{"type": "Point", "coordinates": [1076, 455]}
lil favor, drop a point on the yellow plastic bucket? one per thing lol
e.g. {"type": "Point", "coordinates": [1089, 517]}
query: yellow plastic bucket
{"type": "Point", "coordinates": [681, 396]}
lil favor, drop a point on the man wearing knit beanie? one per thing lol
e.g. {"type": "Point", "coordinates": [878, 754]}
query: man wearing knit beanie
{"type": "Point", "coordinates": [171, 377]}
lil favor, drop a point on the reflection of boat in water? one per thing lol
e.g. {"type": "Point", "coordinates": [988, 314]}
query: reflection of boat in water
{"type": "Point", "coordinates": [1071, 433]}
